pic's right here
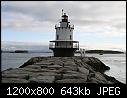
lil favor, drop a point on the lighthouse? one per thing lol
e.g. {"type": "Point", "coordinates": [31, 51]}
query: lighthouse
{"type": "Point", "coordinates": [64, 45]}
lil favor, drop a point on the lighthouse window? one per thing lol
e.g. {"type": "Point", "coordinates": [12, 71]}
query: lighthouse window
{"type": "Point", "coordinates": [56, 43]}
{"type": "Point", "coordinates": [57, 37]}
{"type": "Point", "coordinates": [70, 37]}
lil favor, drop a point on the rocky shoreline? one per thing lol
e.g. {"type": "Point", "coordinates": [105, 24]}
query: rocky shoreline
{"type": "Point", "coordinates": [59, 70]}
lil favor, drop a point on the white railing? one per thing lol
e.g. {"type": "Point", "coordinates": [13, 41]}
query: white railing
{"type": "Point", "coordinates": [66, 45]}
{"type": "Point", "coordinates": [58, 25]}
{"type": "Point", "coordinates": [71, 26]}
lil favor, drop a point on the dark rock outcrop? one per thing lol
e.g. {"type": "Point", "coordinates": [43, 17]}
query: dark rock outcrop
{"type": "Point", "coordinates": [59, 70]}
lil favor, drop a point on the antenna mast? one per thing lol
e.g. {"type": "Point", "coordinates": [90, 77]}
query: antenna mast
{"type": "Point", "coordinates": [62, 12]}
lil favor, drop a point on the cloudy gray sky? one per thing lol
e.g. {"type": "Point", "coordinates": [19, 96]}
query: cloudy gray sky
{"type": "Point", "coordinates": [98, 24]}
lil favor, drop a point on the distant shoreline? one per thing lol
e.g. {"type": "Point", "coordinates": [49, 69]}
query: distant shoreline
{"type": "Point", "coordinates": [102, 52]}
{"type": "Point", "coordinates": [87, 51]}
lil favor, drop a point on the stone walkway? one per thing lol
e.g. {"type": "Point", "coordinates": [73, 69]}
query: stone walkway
{"type": "Point", "coordinates": [59, 70]}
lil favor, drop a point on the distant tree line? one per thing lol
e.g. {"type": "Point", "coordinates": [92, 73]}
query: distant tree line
{"type": "Point", "coordinates": [103, 51]}
{"type": "Point", "coordinates": [20, 51]}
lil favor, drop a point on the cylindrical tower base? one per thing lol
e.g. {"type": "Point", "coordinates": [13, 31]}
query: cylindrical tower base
{"type": "Point", "coordinates": [64, 52]}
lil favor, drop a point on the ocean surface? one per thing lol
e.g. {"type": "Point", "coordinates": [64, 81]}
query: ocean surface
{"type": "Point", "coordinates": [117, 62]}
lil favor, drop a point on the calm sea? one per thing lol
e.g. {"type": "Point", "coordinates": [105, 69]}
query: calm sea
{"type": "Point", "coordinates": [117, 62]}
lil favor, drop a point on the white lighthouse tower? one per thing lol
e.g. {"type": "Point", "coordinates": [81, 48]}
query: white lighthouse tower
{"type": "Point", "coordinates": [64, 46]}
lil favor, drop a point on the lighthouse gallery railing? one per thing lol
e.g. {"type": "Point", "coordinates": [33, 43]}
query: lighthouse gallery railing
{"type": "Point", "coordinates": [74, 44]}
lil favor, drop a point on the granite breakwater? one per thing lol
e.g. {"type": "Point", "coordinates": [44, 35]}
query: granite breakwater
{"type": "Point", "coordinates": [59, 70]}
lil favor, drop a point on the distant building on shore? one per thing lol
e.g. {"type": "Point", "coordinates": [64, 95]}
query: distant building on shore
{"type": "Point", "coordinates": [64, 45]}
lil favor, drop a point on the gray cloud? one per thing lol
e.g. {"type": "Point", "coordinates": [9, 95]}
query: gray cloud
{"type": "Point", "coordinates": [45, 14]}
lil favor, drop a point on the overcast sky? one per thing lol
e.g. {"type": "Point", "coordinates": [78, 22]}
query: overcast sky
{"type": "Point", "coordinates": [98, 24]}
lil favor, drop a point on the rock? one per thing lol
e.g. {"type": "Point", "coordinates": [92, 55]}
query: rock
{"type": "Point", "coordinates": [83, 70]}
{"type": "Point", "coordinates": [59, 70]}
{"type": "Point", "coordinates": [72, 72]}
{"type": "Point", "coordinates": [75, 76]}
{"type": "Point", "coordinates": [31, 69]}
{"type": "Point", "coordinates": [97, 77]}
{"type": "Point", "coordinates": [42, 79]}
{"type": "Point", "coordinates": [33, 66]}
{"type": "Point", "coordinates": [109, 82]}
{"type": "Point", "coordinates": [71, 68]}
{"type": "Point", "coordinates": [43, 74]}
{"type": "Point", "coordinates": [33, 60]}
{"type": "Point", "coordinates": [85, 59]}
{"type": "Point", "coordinates": [91, 75]}
{"type": "Point", "coordinates": [112, 80]}
{"type": "Point", "coordinates": [49, 70]}
{"type": "Point", "coordinates": [70, 81]}
{"type": "Point", "coordinates": [43, 66]}
{"type": "Point", "coordinates": [87, 66]}
{"type": "Point", "coordinates": [58, 63]}
{"type": "Point", "coordinates": [21, 76]}
{"type": "Point", "coordinates": [54, 67]}
{"type": "Point", "coordinates": [14, 80]}
{"type": "Point", "coordinates": [44, 63]}
{"type": "Point", "coordinates": [96, 64]}
{"type": "Point", "coordinates": [69, 63]}
{"type": "Point", "coordinates": [58, 77]}
{"type": "Point", "coordinates": [94, 80]}
{"type": "Point", "coordinates": [17, 71]}
{"type": "Point", "coordinates": [100, 77]}
{"type": "Point", "coordinates": [7, 70]}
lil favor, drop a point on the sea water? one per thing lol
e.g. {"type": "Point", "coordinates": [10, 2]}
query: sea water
{"type": "Point", "coordinates": [14, 60]}
{"type": "Point", "coordinates": [117, 62]}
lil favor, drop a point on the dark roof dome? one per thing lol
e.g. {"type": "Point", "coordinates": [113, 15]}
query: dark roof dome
{"type": "Point", "coordinates": [64, 15]}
